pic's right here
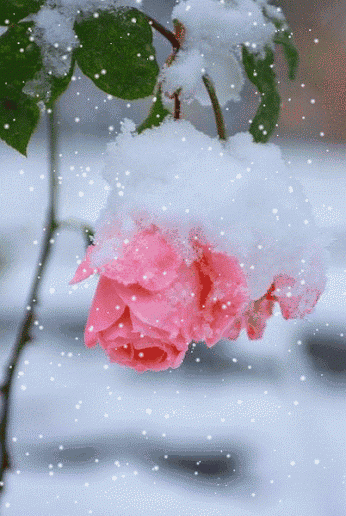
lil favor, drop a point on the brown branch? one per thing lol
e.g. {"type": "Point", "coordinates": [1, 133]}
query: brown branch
{"type": "Point", "coordinates": [165, 32]}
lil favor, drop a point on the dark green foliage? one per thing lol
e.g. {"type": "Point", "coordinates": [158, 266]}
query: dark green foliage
{"type": "Point", "coordinates": [116, 53]}
{"type": "Point", "coordinates": [19, 115]}
{"type": "Point", "coordinates": [157, 113]}
{"type": "Point", "coordinates": [14, 10]}
{"type": "Point", "coordinates": [261, 74]}
{"type": "Point", "coordinates": [58, 85]}
{"type": "Point", "coordinates": [20, 59]}
{"type": "Point", "coordinates": [284, 37]}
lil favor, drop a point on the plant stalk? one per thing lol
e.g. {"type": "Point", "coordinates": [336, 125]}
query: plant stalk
{"type": "Point", "coordinates": [24, 330]}
{"type": "Point", "coordinates": [220, 123]}
{"type": "Point", "coordinates": [175, 40]}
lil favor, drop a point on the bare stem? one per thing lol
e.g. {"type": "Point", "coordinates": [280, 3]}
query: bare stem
{"type": "Point", "coordinates": [165, 32]}
{"type": "Point", "coordinates": [23, 335]}
{"type": "Point", "coordinates": [220, 123]}
{"type": "Point", "coordinates": [175, 40]}
{"type": "Point", "coordinates": [176, 106]}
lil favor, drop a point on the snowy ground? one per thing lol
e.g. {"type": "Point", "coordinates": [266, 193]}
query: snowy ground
{"type": "Point", "coordinates": [262, 423]}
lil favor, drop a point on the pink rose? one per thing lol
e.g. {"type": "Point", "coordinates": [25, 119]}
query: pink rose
{"type": "Point", "coordinates": [149, 304]}
{"type": "Point", "coordinates": [222, 292]}
{"type": "Point", "coordinates": [293, 304]}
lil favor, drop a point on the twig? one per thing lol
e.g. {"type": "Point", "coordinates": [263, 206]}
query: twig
{"type": "Point", "coordinates": [220, 123]}
{"type": "Point", "coordinates": [165, 32]}
{"type": "Point", "coordinates": [175, 40]}
{"type": "Point", "coordinates": [176, 106]}
{"type": "Point", "coordinates": [23, 335]}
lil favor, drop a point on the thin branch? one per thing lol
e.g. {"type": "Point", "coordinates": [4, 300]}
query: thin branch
{"type": "Point", "coordinates": [79, 226]}
{"type": "Point", "coordinates": [220, 123]}
{"type": "Point", "coordinates": [165, 32]}
{"type": "Point", "coordinates": [176, 106]}
{"type": "Point", "coordinates": [23, 335]}
{"type": "Point", "coordinates": [175, 40]}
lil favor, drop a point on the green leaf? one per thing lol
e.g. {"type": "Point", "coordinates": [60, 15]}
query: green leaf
{"type": "Point", "coordinates": [19, 116]}
{"type": "Point", "coordinates": [266, 118]}
{"type": "Point", "coordinates": [261, 74]}
{"type": "Point", "coordinates": [157, 113]}
{"type": "Point", "coordinates": [117, 53]}
{"type": "Point", "coordinates": [20, 58]}
{"type": "Point", "coordinates": [284, 37]}
{"type": "Point", "coordinates": [58, 85]}
{"type": "Point", "coordinates": [11, 11]}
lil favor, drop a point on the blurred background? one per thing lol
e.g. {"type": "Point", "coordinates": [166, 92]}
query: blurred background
{"type": "Point", "coordinates": [243, 429]}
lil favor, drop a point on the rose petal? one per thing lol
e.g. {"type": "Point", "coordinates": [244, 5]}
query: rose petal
{"type": "Point", "coordinates": [106, 308]}
{"type": "Point", "coordinates": [223, 292]}
{"type": "Point", "coordinates": [84, 269]}
{"type": "Point", "coordinates": [147, 260]}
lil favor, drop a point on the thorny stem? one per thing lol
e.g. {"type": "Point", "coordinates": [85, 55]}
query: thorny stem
{"type": "Point", "coordinates": [23, 335]}
{"type": "Point", "coordinates": [175, 40]}
{"type": "Point", "coordinates": [220, 123]}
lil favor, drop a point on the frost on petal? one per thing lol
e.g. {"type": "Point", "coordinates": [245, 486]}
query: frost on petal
{"type": "Point", "coordinates": [84, 270]}
{"type": "Point", "coordinates": [295, 300]}
{"type": "Point", "coordinates": [257, 314]}
{"type": "Point", "coordinates": [106, 308]}
{"type": "Point", "coordinates": [222, 292]}
{"type": "Point", "coordinates": [147, 260]}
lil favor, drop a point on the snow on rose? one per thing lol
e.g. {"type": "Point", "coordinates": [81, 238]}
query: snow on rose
{"type": "Point", "coordinates": [198, 241]}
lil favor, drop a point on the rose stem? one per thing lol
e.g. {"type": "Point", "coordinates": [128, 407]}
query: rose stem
{"type": "Point", "coordinates": [23, 336]}
{"type": "Point", "coordinates": [220, 123]}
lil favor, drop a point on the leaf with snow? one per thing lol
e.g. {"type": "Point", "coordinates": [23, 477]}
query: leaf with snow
{"type": "Point", "coordinates": [58, 85]}
{"type": "Point", "coordinates": [156, 115]}
{"type": "Point", "coordinates": [11, 11]}
{"type": "Point", "coordinates": [261, 74]}
{"type": "Point", "coordinates": [117, 54]}
{"type": "Point", "coordinates": [20, 59]}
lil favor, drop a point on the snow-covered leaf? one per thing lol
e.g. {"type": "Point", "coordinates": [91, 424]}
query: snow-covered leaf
{"type": "Point", "coordinates": [11, 11]}
{"type": "Point", "coordinates": [59, 84]}
{"type": "Point", "coordinates": [156, 115]}
{"type": "Point", "coordinates": [117, 54]}
{"type": "Point", "coordinates": [20, 59]}
{"type": "Point", "coordinates": [260, 73]}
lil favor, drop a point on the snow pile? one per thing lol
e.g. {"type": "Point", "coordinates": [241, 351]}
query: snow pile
{"type": "Point", "coordinates": [236, 195]}
{"type": "Point", "coordinates": [54, 33]}
{"type": "Point", "coordinates": [214, 32]}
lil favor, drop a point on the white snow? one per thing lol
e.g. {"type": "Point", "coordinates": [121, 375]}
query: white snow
{"type": "Point", "coordinates": [238, 194]}
{"type": "Point", "coordinates": [54, 32]}
{"type": "Point", "coordinates": [214, 33]}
